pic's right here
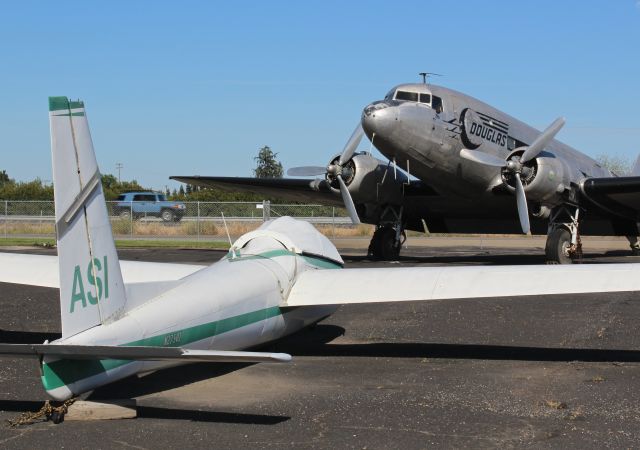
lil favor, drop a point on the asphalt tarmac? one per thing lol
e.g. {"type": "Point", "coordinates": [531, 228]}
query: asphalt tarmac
{"type": "Point", "coordinates": [560, 371]}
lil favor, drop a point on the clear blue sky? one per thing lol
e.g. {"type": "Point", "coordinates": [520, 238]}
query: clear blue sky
{"type": "Point", "coordinates": [197, 87]}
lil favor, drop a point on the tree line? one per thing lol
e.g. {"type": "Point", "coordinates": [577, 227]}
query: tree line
{"type": "Point", "coordinates": [267, 166]}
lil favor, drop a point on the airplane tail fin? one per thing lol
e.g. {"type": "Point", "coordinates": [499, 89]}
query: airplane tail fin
{"type": "Point", "coordinates": [91, 288]}
{"type": "Point", "coordinates": [636, 168]}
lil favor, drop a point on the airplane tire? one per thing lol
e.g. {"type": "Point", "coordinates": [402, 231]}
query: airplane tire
{"type": "Point", "coordinates": [557, 247]}
{"type": "Point", "coordinates": [383, 245]}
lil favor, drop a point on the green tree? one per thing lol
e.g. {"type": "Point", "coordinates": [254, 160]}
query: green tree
{"type": "Point", "coordinates": [4, 178]}
{"type": "Point", "coordinates": [112, 187]}
{"type": "Point", "coordinates": [30, 190]}
{"type": "Point", "coordinates": [267, 164]}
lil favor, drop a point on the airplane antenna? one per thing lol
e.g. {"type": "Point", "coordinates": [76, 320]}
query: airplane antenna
{"type": "Point", "coordinates": [426, 75]}
{"type": "Point", "coordinates": [227, 230]}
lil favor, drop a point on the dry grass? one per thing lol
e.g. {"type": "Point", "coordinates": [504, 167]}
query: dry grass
{"type": "Point", "coordinates": [145, 228]}
{"type": "Point", "coordinates": [44, 228]}
{"type": "Point", "coordinates": [361, 230]}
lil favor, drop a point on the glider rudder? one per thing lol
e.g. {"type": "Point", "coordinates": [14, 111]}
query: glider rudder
{"type": "Point", "coordinates": [91, 287]}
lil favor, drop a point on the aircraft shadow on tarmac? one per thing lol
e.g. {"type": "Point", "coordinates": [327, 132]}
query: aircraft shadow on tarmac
{"type": "Point", "coordinates": [26, 337]}
{"type": "Point", "coordinates": [152, 412]}
{"type": "Point", "coordinates": [317, 342]}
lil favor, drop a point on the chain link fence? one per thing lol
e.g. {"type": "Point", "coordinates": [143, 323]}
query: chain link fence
{"type": "Point", "coordinates": [149, 220]}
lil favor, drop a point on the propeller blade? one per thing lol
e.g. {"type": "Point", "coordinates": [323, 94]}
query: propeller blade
{"type": "Point", "coordinates": [351, 146]}
{"type": "Point", "coordinates": [523, 211]}
{"type": "Point", "coordinates": [348, 201]}
{"type": "Point", "coordinates": [482, 158]}
{"type": "Point", "coordinates": [306, 171]}
{"type": "Point", "coordinates": [543, 140]}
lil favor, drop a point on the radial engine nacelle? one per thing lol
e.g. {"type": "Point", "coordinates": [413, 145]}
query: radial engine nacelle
{"type": "Point", "coordinates": [544, 178]}
{"type": "Point", "coordinates": [369, 180]}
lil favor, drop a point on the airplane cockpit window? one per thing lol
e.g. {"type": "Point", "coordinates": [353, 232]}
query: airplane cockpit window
{"type": "Point", "coordinates": [389, 95]}
{"type": "Point", "coordinates": [437, 104]}
{"type": "Point", "coordinates": [425, 98]}
{"type": "Point", "coordinates": [404, 95]}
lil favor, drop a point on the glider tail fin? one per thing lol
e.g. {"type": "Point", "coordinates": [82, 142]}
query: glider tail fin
{"type": "Point", "coordinates": [91, 288]}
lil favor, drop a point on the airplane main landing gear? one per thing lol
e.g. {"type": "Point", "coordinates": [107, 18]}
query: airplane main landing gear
{"type": "Point", "coordinates": [563, 245]}
{"type": "Point", "coordinates": [388, 238]}
{"type": "Point", "coordinates": [385, 244]}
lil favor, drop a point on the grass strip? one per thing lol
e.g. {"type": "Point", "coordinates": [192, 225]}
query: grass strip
{"type": "Point", "coordinates": [120, 243]}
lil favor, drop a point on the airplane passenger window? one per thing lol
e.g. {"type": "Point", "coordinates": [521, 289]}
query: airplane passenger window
{"type": "Point", "coordinates": [437, 104]}
{"type": "Point", "coordinates": [425, 98]}
{"type": "Point", "coordinates": [404, 95]}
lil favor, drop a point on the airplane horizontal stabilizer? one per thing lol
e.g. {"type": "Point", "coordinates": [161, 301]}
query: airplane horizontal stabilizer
{"type": "Point", "coordinates": [442, 283]}
{"type": "Point", "coordinates": [138, 353]}
{"type": "Point", "coordinates": [42, 270]}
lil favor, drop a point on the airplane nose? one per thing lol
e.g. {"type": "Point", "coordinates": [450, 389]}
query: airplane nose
{"type": "Point", "coordinates": [378, 118]}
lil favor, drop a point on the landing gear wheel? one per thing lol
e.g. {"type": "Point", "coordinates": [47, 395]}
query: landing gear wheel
{"type": "Point", "coordinates": [383, 245]}
{"type": "Point", "coordinates": [167, 215]}
{"type": "Point", "coordinates": [558, 247]}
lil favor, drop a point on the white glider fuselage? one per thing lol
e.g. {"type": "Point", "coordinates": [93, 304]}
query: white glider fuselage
{"type": "Point", "coordinates": [234, 304]}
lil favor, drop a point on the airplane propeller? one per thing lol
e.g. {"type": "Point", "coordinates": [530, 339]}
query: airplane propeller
{"type": "Point", "coordinates": [515, 164]}
{"type": "Point", "coordinates": [335, 170]}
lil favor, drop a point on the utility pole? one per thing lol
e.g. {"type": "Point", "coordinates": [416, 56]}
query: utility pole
{"type": "Point", "coordinates": [119, 167]}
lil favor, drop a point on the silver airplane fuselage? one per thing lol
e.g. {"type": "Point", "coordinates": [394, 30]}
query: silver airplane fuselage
{"type": "Point", "coordinates": [423, 128]}
{"type": "Point", "coordinates": [427, 141]}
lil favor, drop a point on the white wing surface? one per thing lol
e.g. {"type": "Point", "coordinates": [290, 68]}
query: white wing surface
{"type": "Point", "coordinates": [42, 270]}
{"type": "Point", "coordinates": [141, 353]}
{"type": "Point", "coordinates": [335, 287]}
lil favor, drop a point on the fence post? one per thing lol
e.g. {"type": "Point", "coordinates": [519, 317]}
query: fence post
{"type": "Point", "coordinates": [266, 210]}
{"type": "Point", "coordinates": [6, 216]}
{"type": "Point", "coordinates": [333, 221]}
{"type": "Point", "coordinates": [131, 219]}
{"type": "Point", "coordinates": [198, 221]}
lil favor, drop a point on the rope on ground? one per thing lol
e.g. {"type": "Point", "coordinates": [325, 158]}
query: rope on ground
{"type": "Point", "coordinates": [48, 412]}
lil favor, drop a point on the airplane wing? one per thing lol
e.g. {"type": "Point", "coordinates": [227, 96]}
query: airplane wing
{"type": "Point", "coordinates": [292, 189]}
{"type": "Point", "coordinates": [400, 284]}
{"type": "Point", "coordinates": [42, 270]}
{"type": "Point", "coordinates": [141, 353]}
{"type": "Point", "coordinates": [617, 195]}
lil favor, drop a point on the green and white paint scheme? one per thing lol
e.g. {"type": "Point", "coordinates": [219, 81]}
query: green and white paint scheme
{"type": "Point", "coordinates": [123, 318]}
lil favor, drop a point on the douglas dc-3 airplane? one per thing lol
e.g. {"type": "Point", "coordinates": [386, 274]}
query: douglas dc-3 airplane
{"type": "Point", "coordinates": [470, 160]}
{"type": "Point", "coordinates": [125, 318]}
